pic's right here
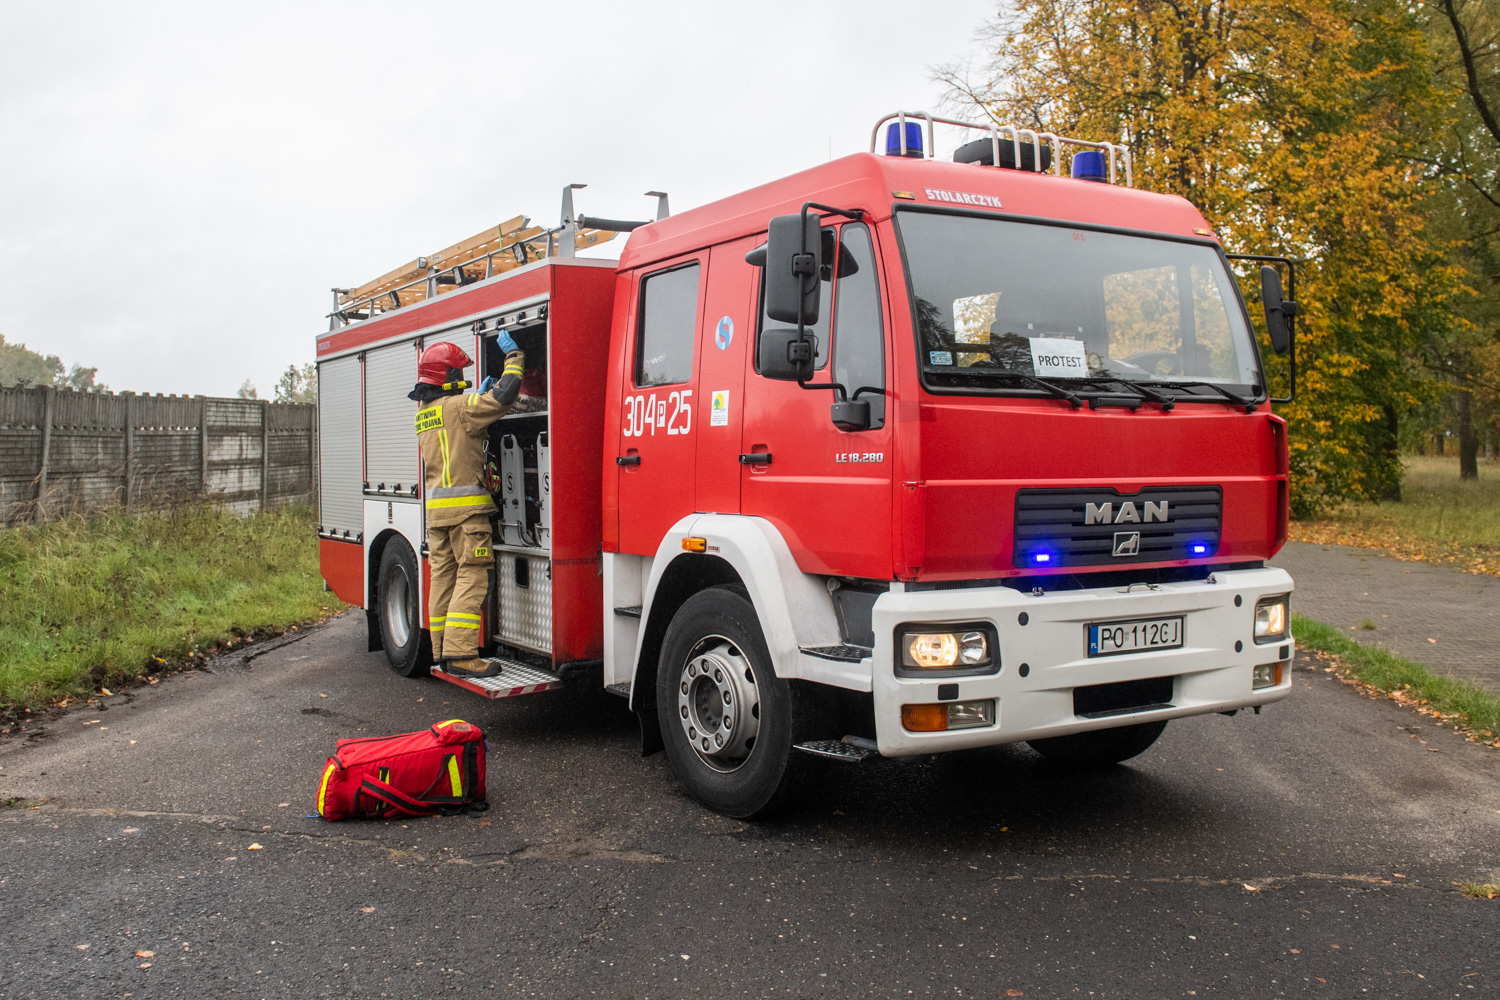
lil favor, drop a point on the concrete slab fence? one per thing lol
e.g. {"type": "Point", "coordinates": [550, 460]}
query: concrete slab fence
{"type": "Point", "coordinates": [64, 452]}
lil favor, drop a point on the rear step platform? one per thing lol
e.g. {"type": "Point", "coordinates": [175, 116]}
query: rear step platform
{"type": "Point", "coordinates": [515, 680]}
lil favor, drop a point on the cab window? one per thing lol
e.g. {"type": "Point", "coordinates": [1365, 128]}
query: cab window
{"type": "Point", "coordinates": [667, 321]}
{"type": "Point", "coordinates": [858, 340]}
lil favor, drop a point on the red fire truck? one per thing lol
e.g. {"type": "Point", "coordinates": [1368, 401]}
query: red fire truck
{"type": "Point", "coordinates": [893, 456]}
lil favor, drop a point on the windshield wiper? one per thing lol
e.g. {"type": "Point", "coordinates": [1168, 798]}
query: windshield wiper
{"type": "Point", "coordinates": [1051, 388]}
{"type": "Point", "coordinates": [1230, 397]}
{"type": "Point", "coordinates": [1165, 402]}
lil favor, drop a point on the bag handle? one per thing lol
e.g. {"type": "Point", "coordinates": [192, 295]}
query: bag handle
{"type": "Point", "coordinates": [401, 802]}
{"type": "Point", "coordinates": [397, 799]}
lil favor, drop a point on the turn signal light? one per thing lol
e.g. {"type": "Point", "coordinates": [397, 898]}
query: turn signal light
{"type": "Point", "coordinates": [695, 545]}
{"type": "Point", "coordinates": [948, 715]}
{"type": "Point", "coordinates": [924, 718]}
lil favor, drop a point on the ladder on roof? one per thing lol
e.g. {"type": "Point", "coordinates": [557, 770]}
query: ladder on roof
{"type": "Point", "coordinates": [512, 244]}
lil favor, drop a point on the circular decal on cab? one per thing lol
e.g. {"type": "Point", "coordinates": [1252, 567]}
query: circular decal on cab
{"type": "Point", "coordinates": [724, 333]}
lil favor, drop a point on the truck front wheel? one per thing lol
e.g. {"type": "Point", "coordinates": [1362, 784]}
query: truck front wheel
{"type": "Point", "coordinates": [407, 646]}
{"type": "Point", "coordinates": [1100, 746]}
{"type": "Point", "coordinates": [727, 720]}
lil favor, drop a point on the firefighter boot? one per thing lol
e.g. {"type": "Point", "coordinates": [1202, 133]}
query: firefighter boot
{"type": "Point", "coordinates": [472, 667]}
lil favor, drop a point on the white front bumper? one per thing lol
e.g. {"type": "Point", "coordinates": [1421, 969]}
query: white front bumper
{"type": "Point", "coordinates": [1210, 675]}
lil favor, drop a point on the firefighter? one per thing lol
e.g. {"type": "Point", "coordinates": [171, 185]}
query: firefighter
{"type": "Point", "coordinates": [451, 429]}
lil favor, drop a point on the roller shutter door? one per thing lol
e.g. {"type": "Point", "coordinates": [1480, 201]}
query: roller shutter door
{"type": "Point", "coordinates": [340, 490]}
{"type": "Point", "coordinates": [390, 436]}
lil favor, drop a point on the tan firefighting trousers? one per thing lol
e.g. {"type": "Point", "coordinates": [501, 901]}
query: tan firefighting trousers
{"type": "Point", "coordinates": [459, 557]}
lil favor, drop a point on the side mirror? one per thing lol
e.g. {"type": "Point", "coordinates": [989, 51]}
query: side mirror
{"type": "Point", "coordinates": [1279, 311]}
{"type": "Point", "coordinates": [792, 273]}
{"type": "Point", "coordinates": [784, 356]}
{"type": "Point", "coordinates": [851, 415]}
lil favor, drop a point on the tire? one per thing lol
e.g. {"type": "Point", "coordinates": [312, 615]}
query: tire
{"type": "Point", "coordinates": [728, 722]}
{"type": "Point", "coordinates": [408, 646]}
{"type": "Point", "coordinates": [1099, 747]}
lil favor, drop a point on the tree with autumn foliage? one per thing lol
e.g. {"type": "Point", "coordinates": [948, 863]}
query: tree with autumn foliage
{"type": "Point", "coordinates": [1293, 128]}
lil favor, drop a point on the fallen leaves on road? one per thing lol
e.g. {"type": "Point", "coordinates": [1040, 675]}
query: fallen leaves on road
{"type": "Point", "coordinates": [367, 909]}
{"type": "Point", "coordinates": [81, 947]}
{"type": "Point", "coordinates": [131, 829]}
{"type": "Point", "coordinates": [1295, 951]}
{"type": "Point", "coordinates": [145, 954]}
{"type": "Point", "coordinates": [282, 805]}
{"type": "Point", "coordinates": [255, 847]}
{"type": "Point", "coordinates": [106, 692]}
{"type": "Point", "coordinates": [1408, 548]}
{"type": "Point", "coordinates": [144, 965]}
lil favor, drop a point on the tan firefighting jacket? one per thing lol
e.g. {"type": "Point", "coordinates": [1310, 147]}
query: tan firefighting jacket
{"type": "Point", "coordinates": [451, 435]}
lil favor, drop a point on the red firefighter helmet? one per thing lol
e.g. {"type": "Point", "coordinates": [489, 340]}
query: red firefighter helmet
{"type": "Point", "coordinates": [438, 360]}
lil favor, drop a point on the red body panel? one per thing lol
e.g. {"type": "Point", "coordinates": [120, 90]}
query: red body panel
{"type": "Point", "coordinates": [578, 325]}
{"type": "Point", "coordinates": [343, 566]}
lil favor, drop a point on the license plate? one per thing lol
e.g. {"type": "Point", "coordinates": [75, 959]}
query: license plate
{"type": "Point", "coordinates": [1113, 638]}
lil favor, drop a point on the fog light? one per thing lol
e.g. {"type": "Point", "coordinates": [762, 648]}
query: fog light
{"type": "Point", "coordinates": [952, 715]}
{"type": "Point", "coordinates": [1265, 675]}
{"type": "Point", "coordinates": [971, 714]}
{"type": "Point", "coordinates": [1270, 619]}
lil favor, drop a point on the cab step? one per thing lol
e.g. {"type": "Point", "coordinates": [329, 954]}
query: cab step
{"type": "Point", "coordinates": [515, 680]}
{"type": "Point", "coordinates": [850, 749]}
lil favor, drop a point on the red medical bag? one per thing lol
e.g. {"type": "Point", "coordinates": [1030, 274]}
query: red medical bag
{"type": "Point", "coordinates": [437, 770]}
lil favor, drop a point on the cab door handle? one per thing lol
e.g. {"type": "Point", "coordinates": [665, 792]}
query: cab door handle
{"type": "Point", "coordinates": [628, 460]}
{"type": "Point", "coordinates": [759, 458]}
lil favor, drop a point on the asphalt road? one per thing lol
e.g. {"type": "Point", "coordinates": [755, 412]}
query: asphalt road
{"type": "Point", "coordinates": [1439, 616]}
{"type": "Point", "coordinates": [1308, 850]}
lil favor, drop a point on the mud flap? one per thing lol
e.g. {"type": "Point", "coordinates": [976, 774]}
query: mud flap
{"type": "Point", "coordinates": [374, 641]}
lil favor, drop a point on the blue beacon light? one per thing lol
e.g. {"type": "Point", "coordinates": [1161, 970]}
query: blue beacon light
{"type": "Point", "coordinates": [1041, 558]}
{"type": "Point", "coordinates": [1198, 549]}
{"type": "Point", "coordinates": [1090, 165]}
{"type": "Point", "coordinates": [913, 139]}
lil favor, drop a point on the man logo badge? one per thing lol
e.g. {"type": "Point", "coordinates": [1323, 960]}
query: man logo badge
{"type": "Point", "coordinates": [1127, 543]}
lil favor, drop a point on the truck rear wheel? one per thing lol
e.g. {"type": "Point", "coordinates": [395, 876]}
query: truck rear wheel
{"type": "Point", "coordinates": [1100, 746]}
{"type": "Point", "coordinates": [408, 647]}
{"type": "Point", "coordinates": [727, 720]}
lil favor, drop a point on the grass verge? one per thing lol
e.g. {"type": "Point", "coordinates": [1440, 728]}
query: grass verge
{"type": "Point", "coordinates": [1440, 519]}
{"type": "Point", "coordinates": [95, 603]}
{"type": "Point", "coordinates": [1465, 707]}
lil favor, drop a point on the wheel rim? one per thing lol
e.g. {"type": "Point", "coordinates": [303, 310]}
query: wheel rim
{"type": "Point", "coordinates": [718, 703]}
{"type": "Point", "coordinates": [398, 607]}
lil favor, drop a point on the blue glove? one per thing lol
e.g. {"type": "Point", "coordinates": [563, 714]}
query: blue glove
{"type": "Point", "coordinates": [489, 383]}
{"type": "Point", "coordinates": [506, 343]}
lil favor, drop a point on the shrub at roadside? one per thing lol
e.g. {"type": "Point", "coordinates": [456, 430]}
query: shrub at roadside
{"type": "Point", "coordinates": [86, 603]}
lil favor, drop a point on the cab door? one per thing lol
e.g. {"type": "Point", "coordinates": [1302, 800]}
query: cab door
{"type": "Point", "coordinates": [828, 491]}
{"type": "Point", "coordinates": [656, 460]}
{"type": "Point", "coordinates": [728, 325]}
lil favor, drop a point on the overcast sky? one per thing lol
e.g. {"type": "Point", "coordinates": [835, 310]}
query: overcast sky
{"type": "Point", "coordinates": [182, 183]}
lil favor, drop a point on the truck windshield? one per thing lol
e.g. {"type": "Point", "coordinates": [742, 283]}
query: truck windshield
{"type": "Point", "coordinates": [1022, 307]}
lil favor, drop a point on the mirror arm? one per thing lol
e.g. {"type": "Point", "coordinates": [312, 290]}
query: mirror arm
{"type": "Point", "coordinates": [1289, 310]}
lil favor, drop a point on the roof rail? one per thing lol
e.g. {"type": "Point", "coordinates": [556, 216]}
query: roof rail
{"type": "Point", "coordinates": [1119, 155]}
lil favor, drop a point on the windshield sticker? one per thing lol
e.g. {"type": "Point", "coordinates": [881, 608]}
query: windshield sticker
{"type": "Point", "coordinates": [724, 333]}
{"type": "Point", "coordinates": [1056, 356]}
{"type": "Point", "coordinates": [718, 415]}
{"type": "Point", "coordinates": [940, 357]}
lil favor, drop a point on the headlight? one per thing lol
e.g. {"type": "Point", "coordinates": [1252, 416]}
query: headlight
{"type": "Point", "coordinates": [1271, 619]}
{"type": "Point", "coordinates": [964, 649]}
